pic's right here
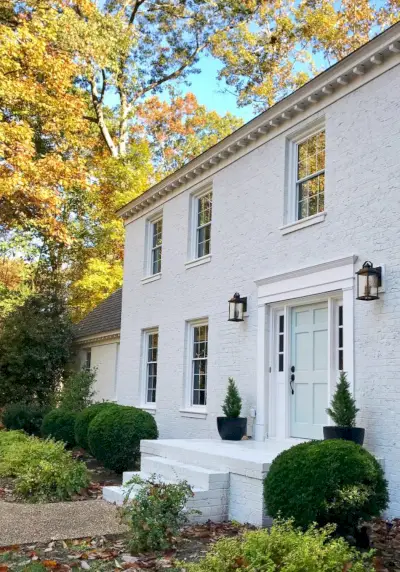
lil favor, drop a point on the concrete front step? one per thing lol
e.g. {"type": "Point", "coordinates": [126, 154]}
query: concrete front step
{"type": "Point", "coordinates": [209, 502]}
{"type": "Point", "coordinates": [196, 476]}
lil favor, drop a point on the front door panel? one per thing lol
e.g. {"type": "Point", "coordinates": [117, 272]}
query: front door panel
{"type": "Point", "coordinates": [309, 356]}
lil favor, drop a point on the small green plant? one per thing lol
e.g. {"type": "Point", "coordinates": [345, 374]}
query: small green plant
{"type": "Point", "coordinates": [60, 425]}
{"type": "Point", "coordinates": [232, 405]}
{"type": "Point", "coordinates": [27, 417]}
{"type": "Point", "coordinates": [44, 470]}
{"type": "Point", "coordinates": [283, 548]}
{"type": "Point", "coordinates": [156, 513]}
{"type": "Point", "coordinates": [343, 408]}
{"type": "Point", "coordinates": [325, 482]}
{"type": "Point", "coordinates": [77, 391]}
{"type": "Point", "coordinates": [83, 420]}
{"type": "Point", "coordinates": [114, 436]}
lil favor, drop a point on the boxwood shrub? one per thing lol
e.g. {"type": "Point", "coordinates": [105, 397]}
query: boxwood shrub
{"type": "Point", "coordinates": [331, 481]}
{"type": "Point", "coordinates": [60, 425]}
{"type": "Point", "coordinates": [27, 417]}
{"type": "Point", "coordinates": [83, 420]}
{"type": "Point", "coordinates": [114, 436]}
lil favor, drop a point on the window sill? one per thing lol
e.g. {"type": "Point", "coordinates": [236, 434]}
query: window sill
{"type": "Point", "coordinates": [193, 412]}
{"type": "Point", "coordinates": [198, 261]}
{"type": "Point", "coordinates": [303, 223]}
{"type": "Point", "coordinates": [151, 278]}
{"type": "Point", "coordinates": [150, 408]}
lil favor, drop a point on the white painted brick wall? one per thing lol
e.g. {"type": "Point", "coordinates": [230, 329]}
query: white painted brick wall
{"type": "Point", "coordinates": [363, 218]}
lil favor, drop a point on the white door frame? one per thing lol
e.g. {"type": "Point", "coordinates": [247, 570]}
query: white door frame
{"type": "Point", "coordinates": [330, 281]}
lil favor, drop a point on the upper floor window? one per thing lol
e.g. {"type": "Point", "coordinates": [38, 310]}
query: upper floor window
{"type": "Point", "coordinates": [203, 224]}
{"type": "Point", "coordinates": [156, 245]}
{"type": "Point", "coordinates": [310, 175]}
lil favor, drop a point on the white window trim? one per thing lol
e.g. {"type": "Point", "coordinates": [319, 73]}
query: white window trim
{"type": "Point", "coordinates": [188, 409]}
{"type": "Point", "coordinates": [147, 405]}
{"type": "Point", "coordinates": [148, 259]}
{"type": "Point", "coordinates": [291, 221]}
{"type": "Point", "coordinates": [192, 249]}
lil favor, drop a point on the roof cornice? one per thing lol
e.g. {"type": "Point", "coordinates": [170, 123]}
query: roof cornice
{"type": "Point", "coordinates": [92, 338]}
{"type": "Point", "coordinates": [335, 79]}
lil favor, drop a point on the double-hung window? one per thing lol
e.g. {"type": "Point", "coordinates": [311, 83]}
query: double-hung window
{"type": "Point", "coordinates": [310, 175]}
{"type": "Point", "coordinates": [198, 365]}
{"type": "Point", "coordinates": [88, 359]}
{"type": "Point", "coordinates": [203, 224]}
{"type": "Point", "coordinates": [156, 229]}
{"type": "Point", "coordinates": [151, 362]}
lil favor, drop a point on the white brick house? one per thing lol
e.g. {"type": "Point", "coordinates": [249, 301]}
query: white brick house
{"type": "Point", "coordinates": [293, 203]}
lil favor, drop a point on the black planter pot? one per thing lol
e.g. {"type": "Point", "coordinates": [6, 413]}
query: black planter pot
{"type": "Point", "coordinates": [232, 428]}
{"type": "Point", "coordinates": [355, 434]}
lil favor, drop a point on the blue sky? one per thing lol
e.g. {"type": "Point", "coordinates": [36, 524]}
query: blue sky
{"type": "Point", "coordinates": [209, 91]}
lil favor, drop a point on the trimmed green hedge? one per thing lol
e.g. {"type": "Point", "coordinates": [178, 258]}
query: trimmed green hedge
{"type": "Point", "coordinates": [27, 417]}
{"type": "Point", "coordinates": [331, 481]}
{"type": "Point", "coordinates": [114, 436]}
{"type": "Point", "coordinates": [60, 425]}
{"type": "Point", "coordinates": [83, 420]}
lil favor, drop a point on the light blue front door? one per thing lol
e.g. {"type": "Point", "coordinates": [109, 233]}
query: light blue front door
{"type": "Point", "coordinates": [309, 370]}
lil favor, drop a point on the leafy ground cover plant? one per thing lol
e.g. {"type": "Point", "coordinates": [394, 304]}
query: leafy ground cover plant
{"type": "Point", "coordinates": [283, 548]}
{"type": "Point", "coordinates": [25, 416]}
{"type": "Point", "coordinates": [59, 424]}
{"type": "Point", "coordinates": [114, 436]}
{"type": "Point", "coordinates": [44, 470]}
{"type": "Point", "coordinates": [325, 482]}
{"type": "Point", "coordinates": [156, 514]}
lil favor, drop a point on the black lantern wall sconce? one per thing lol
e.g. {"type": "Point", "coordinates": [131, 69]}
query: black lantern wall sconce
{"type": "Point", "coordinates": [237, 308]}
{"type": "Point", "coordinates": [369, 280]}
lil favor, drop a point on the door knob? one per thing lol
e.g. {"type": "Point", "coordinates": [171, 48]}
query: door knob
{"type": "Point", "coordinates": [292, 369]}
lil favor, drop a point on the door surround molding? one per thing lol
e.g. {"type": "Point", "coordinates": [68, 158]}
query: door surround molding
{"type": "Point", "coordinates": [329, 280]}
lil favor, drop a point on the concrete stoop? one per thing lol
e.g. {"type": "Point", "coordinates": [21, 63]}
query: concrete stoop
{"type": "Point", "coordinates": [210, 487]}
{"type": "Point", "coordinates": [226, 476]}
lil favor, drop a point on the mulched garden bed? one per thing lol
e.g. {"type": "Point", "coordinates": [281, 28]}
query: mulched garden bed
{"type": "Point", "coordinates": [99, 477]}
{"type": "Point", "coordinates": [111, 553]}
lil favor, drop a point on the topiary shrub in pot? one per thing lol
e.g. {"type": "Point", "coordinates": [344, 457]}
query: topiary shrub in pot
{"type": "Point", "coordinates": [114, 436]}
{"type": "Point", "coordinates": [343, 412]}
{"type": "Point", "coordinates": [331, 481]}
{"type": "Point", "coordinates": [232, 427]}
{"type": "Point", "coordinates": [60, 425]}
{"type": "Point", "coordinates": [83, 420]}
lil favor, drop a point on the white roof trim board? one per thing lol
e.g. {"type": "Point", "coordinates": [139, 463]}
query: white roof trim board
{"type": "Point", "coordinates": [337, 78]}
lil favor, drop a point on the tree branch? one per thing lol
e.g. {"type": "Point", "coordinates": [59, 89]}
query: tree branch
{"type": "Point", "coordinates": [97, 104]}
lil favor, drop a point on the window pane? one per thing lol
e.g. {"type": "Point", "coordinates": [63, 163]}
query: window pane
{"type": "Point", "coordinates": [311, 191]}
{"type": "Point", "coordinates": [157, 252]}
{"type": "Point", "coordinates": [340, 360]}
{"type": "Point", "coordinates": [340, 315]}
{"type": "Point", "coordinates": [199, 364]}
{"type": "Point", "coordinates": [280, 362]}
{"type": "Point", "coordinates": [151, 371]}
{"type": "Point", "coordinates": [157, 233]}
{"type": "Point", "coordinates": [204, 209]}
{"type": "Point", "coordinates": [203, 241]}
{"type": "Point", "coordinates": [281, 324]}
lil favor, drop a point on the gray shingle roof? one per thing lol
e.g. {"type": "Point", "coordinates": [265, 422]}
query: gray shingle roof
{"type": "Point", "coordinates": [106, 317]}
